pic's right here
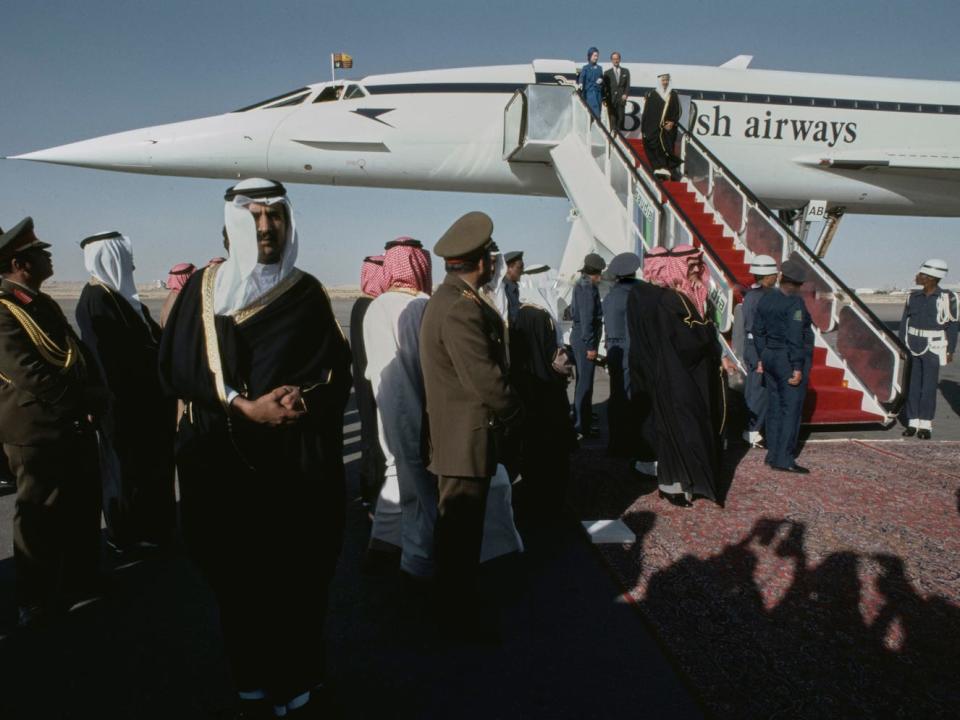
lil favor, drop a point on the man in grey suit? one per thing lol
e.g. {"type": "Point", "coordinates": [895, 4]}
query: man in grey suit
{"type": "Point", "coordinates": [616, 90]}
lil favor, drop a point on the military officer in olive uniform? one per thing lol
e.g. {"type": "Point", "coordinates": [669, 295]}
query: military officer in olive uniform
{"type": "Point", "coordinates": [49, 389]}
{"type": "Point", "coordinates": [470, 403]}
{"type": "Point", "coordinates": [783, 337]}
{"type": "Point", "coordinates": [623, 268]}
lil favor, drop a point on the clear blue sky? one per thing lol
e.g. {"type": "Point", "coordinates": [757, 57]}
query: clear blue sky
{"type": "Point", "coordinates": [73, 70]}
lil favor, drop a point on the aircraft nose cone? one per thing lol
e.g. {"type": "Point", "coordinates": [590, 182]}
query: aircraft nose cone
{"type": "Point", "coordinates": [224, 146]}
{"type": "Point", "coordinates": [123, 151]}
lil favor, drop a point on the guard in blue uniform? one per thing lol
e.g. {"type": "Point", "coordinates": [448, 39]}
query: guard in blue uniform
{"type": "Point", "coordinates": [587, 315]}
{"type": "Point", "coordinates": [783, 336]}
{"type": "Point", "coordinates": [764, 271]}
{"type": "Point", "coordinates": [511, 287]}
{"type": "Point", "coordinates": [929, 329]}
{"type": "Point", "coordinates": [617, 342]}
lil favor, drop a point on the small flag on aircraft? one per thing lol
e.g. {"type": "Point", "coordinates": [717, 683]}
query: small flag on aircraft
{"type": "Point", "coordinates": [342, 61]}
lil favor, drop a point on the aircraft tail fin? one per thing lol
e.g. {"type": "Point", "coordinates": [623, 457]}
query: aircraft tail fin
{"type": "Point", "coordinates": [740, 62]}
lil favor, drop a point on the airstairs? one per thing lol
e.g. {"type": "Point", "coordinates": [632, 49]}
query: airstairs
{"type": "Point", "coordinates": [860, 367]}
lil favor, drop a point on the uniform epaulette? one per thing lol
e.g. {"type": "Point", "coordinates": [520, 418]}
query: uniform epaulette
{"type": "Point", "coordinates": [470, 295]}
{"type": "Point", "coordinates": [20, 295]}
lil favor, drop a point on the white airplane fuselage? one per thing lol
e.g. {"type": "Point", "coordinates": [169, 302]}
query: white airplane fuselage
{"type": "Point", "coordinates": [869, 145]}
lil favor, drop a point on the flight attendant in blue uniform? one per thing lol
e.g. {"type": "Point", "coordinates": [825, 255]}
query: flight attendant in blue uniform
{"type": "Point", "coordinates": [617, 342]}
{"type": "Point", "coordinates": [764, 271]}
{"type": "Point", "coordinates": [585, 339]}
{"type": "Point", "coordinates": [929, 330]}
{"type": "Point", "coordinates": [590, 82]}
{"type": "Point", "coordinates": [783, 336]}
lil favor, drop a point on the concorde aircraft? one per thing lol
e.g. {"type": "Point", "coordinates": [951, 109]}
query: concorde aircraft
{"type": "Point", "coordinates": [832, 142]}
{"type": "Point", "coordinates": [863, 144]}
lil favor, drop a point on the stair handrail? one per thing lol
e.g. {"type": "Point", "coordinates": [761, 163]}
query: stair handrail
{"type": "Point", "coordinates": [797, 245]}
{"type": "Point", "coordinates": [633, 163]}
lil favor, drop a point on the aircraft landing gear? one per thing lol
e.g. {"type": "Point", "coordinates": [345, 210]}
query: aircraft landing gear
{"type": "Point", "coordinates": [800, 224]}
{"type": "Point", "coordinates": [830, 227]}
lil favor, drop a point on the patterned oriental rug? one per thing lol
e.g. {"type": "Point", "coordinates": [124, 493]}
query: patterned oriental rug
{"type": "Point", "coordinates": [835, 594]}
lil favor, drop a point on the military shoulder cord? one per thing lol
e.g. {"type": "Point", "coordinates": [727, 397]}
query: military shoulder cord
{"type": "Point", "coordinates": [944, 313]}
{"type": "Point", "coordinates": [48, 349]}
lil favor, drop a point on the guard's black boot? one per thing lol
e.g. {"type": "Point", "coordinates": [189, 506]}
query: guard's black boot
{"type": "Point", "coordinates": [909, 432]}
{"type": "Point", "coordinates": [924, 434]}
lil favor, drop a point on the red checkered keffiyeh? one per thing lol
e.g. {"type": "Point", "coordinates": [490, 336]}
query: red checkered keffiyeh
{"type": "Point", "coordinates": [372, 279]}
{"type": "Point", "coordinates": [696, 288]}
{"type": "Point", "coordinates": [670, 268]}
{"type": "Point", "coordinates": [654, 262]}
{"type": "Point", "coordinates": [407, 265]}
{"type": "Point", "coordinates": [179, 274]}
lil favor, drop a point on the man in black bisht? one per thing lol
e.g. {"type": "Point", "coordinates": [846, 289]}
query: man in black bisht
{"type": "Point", "coordinates": [680, 358]}
{"type": "Point", "coordinates": [253, 349]}
{"type": "Point", "coordinates": [137, 434]}
{"type": "Point", "coordinates": [643, 341]}
{"type": "Point", "coordinates": [661, 113]}
{"type": "Point", "coordinates": [540, 371]}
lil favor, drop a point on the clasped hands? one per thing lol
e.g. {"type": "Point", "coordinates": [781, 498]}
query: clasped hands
{"type": "Point", "coordinates": [281, 406]}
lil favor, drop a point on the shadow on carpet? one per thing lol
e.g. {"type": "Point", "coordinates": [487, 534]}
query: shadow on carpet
{"type": "Point", "coordinates": [830, 595]}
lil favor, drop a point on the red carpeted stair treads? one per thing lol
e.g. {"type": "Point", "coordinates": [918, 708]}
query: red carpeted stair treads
{"type": "Point", "coordinates": [828, 401]}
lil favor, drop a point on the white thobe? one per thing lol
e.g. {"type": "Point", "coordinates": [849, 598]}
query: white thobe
{"type": "Point", "coordinates": [406, 509]}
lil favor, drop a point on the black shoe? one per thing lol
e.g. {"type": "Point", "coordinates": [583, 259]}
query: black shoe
{"type": "Point", "coordinates": [246, 710]}
{"type": "Point", "coordinates": [909, 432]}
{"type": "Point", "coordinates": [34, 617]}
{"type": "Point", "coordinates": [792, 469]}
{"type": "Point", "coordinates": [120, 550]}
{"type": "Point", "coordinates": [677, 499]}
{"type": "Point", "coordinates": [323, 704]}
{"type": "Point", "coordinates": [924, 434]}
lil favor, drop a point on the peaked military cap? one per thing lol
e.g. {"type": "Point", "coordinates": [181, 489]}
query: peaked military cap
{"type": "Point", "coordinates": [535, 269]}
{"type": "Point", "coordinates": [509, 257]}
{"type": "Point", "coordinates": [99, 236]}
{"type": "Point", "coordinates": [593, 264]}
{"type": "Point", "coordinates": [624, 265]}
{"type": "Point", "coordinates": [19, 238]}
{"type": "Point", "coordinates": [794, 270]}
{"type": "Point", "coordinates": [467, 238]}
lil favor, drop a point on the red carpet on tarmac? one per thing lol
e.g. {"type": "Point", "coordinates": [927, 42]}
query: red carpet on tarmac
{"type": "Point", "coordinates": [835, 594]}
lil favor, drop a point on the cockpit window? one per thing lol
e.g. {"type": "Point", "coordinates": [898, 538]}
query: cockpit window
{"type": "Point", "coordinates": [329, 94]}
{"type": "Point", "coordinates": [354, 91]}
{"type": "Point", "coordinates": [295, 100]}
{"type": "Point", "coordinates": [294, 97]}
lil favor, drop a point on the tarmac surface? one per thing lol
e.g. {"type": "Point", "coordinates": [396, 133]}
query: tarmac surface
{"type": "Point", "coordinates": [569, 646]}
